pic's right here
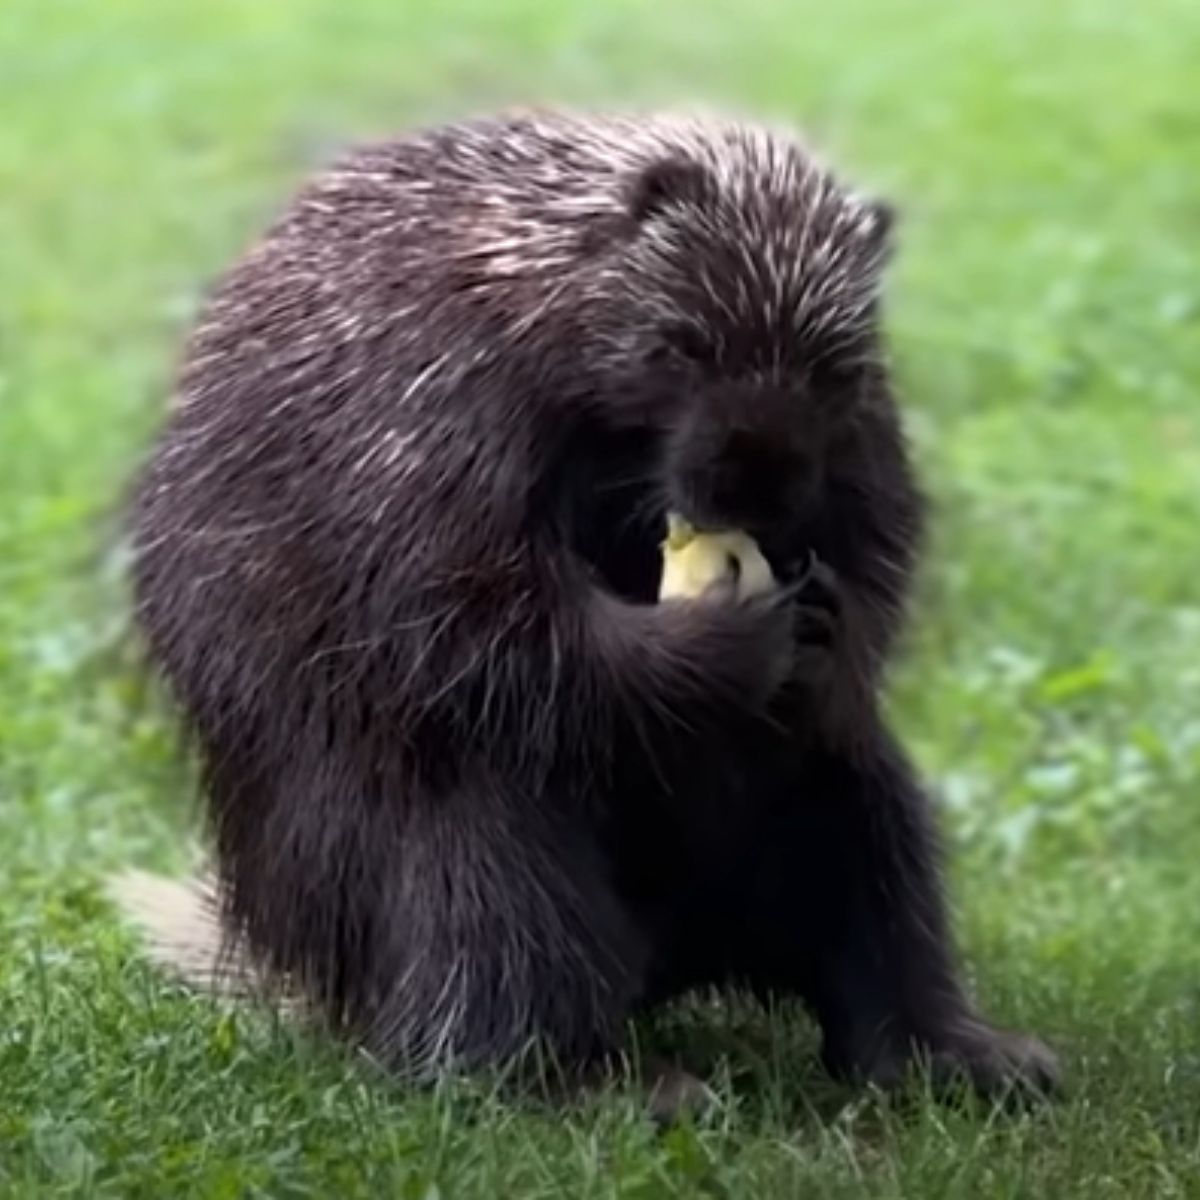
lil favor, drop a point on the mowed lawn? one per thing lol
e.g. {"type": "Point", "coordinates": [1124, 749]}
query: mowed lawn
{"type": "Point", "coordinates": [1046, 319]}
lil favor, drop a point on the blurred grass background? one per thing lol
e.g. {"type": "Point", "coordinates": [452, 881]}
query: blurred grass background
{"type": "Point", "coordinates": [1046, 320]}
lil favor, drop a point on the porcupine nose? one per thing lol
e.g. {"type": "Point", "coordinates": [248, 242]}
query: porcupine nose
{"type": "Point", "coordinates": [744, 482]}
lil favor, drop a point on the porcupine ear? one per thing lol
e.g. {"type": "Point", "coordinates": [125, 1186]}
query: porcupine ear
{"type": "Point", "coordinates": [879, 219]}
{"type": "Point", "coordinates": [667, 183]}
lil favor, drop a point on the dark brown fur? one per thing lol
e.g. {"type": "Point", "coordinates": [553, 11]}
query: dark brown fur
{"type": "Point", "coordinates": [397, 552]}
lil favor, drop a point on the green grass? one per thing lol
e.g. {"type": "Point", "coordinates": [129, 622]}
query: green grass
{"type": "Point", "coordinates": [1046, 314]}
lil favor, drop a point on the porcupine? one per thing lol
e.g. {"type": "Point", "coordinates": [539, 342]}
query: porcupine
{"type": "Point", "coordinates": [471, 788]}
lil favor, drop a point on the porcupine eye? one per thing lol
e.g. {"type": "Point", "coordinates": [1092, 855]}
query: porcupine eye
{"type": "Point", "coordinates": [686, 341]}
{"type": "Point", "coordinates": [832, 376]}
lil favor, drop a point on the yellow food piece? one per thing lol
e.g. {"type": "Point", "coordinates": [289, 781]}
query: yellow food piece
{"type": "Point", "coordinates": [693, 561]}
